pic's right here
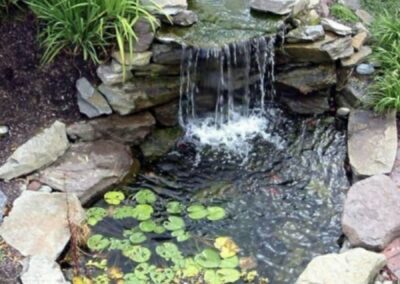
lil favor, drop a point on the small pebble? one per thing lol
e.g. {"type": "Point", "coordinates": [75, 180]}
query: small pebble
{"type": "Point", "coordinates": [3, 130]}
{"type": "Point", "coordinates": [365, 69]}
{"type": "Point", "coordinates": [45, 188]}
{"type": "Point", "coordinates": [343, 112]}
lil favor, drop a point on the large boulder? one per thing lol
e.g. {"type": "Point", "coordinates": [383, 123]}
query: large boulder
{"type": "Point", "coordinates": [89, 169]}
{"type": "Point", "coordinates": [40, 151]}
{"type": "Point", "coordinates": [279, 7]}
{"type": "Point", "coordinates": [130, 130]}
{"type": "Point", "coordinates": [39, 269]}
{"type": "Point", "coordinates": [371, 213]}
{"type": "Point", "coordinates": [353, 94]}
{"type": "Point", "coordinates": [372, 142]}
{"type": "Point", "coordinates": [39, 223]}
{"type": "Point", "coordinates": [356, 266]}
{"type": "Point", "coordinates": [140, 94]}
{"type": "Point", "coordinates": [308, 79]}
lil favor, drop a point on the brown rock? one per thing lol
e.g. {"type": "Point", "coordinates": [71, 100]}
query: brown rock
{"type": "Point", "coordinates": [340, 48]}
{"type": "Point", "coordinates": [392, 253]}
{"type": "Point", "coordinates": [358, 57]}
{"type": "Point", "coordinates": [359, 40]}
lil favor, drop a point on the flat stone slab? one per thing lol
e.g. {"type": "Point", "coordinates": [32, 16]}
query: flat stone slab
{"type": "Point", "coordinates": [336, 27]}
{"type": "Point", "coordinates": [39, 269]}
{"type": "Point", "coordinates": [40, 151]}
{"type": "Point", "coordinates": [358, 57]}
{"type": "Point", "coordinates": [38, 223]}
{"type": "Point", "coordinates": [306, 34]}
{"type": "Point", "coordinates": [89, 169]}
{"type": "Point", "coordinates": [356, 266]}
{"type": "Point", "coordinates": [279, 7]}
{"type": "Point", "coordinates": [372, 142]}
{"type": "Point", "coordinates": [371, 213]}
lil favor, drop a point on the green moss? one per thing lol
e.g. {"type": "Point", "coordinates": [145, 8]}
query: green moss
{"type": "Point", "coordinates": [343, 13]}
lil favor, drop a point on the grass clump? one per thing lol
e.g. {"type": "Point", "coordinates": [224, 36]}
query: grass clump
{"type": "Point", "coordinates": [89, 26]}
{"type": "Point", "coordinates": [377, 6]}
{"type": "Point", "coordinates": [343, 13]}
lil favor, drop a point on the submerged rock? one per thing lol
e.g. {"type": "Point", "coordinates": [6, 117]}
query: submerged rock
{"type": "Point", "coordinates": [40, 151]}
{"type": "Point", "coordinates": [160, 143]}
{"type": "Point", "coordinates": [356, 266]}
{"type": "Point", "coordinates": [336, 27]}
{"type": "Point", "coordinates": [131, 130]}
{"type": "Point", "coordinates": [167, 115]}
{"type": "Point", "coordinates": [372, 142]}
{"type": "Point", "coordinates": [312, 104]}
{"type": "Point", "coordinates": [371, 210]}
{"type": "Point", "coordinates": [39, 269]}
{"type": "Point", "coordinates": [38, 223]}
{"type": "Point", "coordinates": [306, 34]}
{"type": "Point", "coordinates": [90, 101]}
{"type": "Point", "coordinates": [89, 169]}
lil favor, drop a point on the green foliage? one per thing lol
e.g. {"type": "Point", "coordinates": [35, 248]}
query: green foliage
{"type": "Point", "coordinates": [213, 213]}
{"type": "Point", "coordinates": [175, 207]}
{"type": "Point", "coordinates": [138, 254]}
{"type": "Point", "coordinates": [145, 196]}
{"type": "Point", "coordinates": [168, 251]}
{"type": "Point", "coordinates": [377, 6]}
{"type": "Point", "coordinates": [174, 223]}
{"type": "Point", "coordinates": [89, 26]}
{"type": "Point", "coordinates": [114, 197]}
{"type": "Point", "coordinates": [208, 258]}
{"type": "Point", "coordinates": [343, 13]}
{"type": "Point", "coordinates": [94, 215]}
{"type": "Point", "coordinates": [97, 243]}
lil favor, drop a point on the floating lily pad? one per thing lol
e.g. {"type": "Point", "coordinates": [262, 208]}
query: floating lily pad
{"type": "Point", "coordinates": [226, 246]}
{"type": "Point", "coordinates": [190, 268]}
{"type": "Point", "coordinates": [137, 238]}
{"type": "Point", "coordinates": [148, 226]}
{"type": "Point", "coordinates": [145, 196]}
{"type": "Point", "coordinates": [197, 212]}
{"type": "Point", "coordinates": [142, 271]}
{"type": "Point", "coordinates": [94, 215]}
{"type": "Point", "coordinates": [137, 253]}
{"type": "Point", "coordinates": [131, 278]}
{"type": "Point", "coordinates": [143, 212]}
{"type": "Point", "coordinates": [102, 279]}
{"type": "Point", "coordinates": [162, 276]}
{"type": "Point", "coordinates": [116, 244]}
{"type": "Point", "coordinates": [181, 235]}
{"type": "Point", "coordinates": [124, 212]}
{"type": "Point", "coordinates": [231, 262]}
{"type": "Point", "coordinates": [159, 229]}
{"type": "Point", "coordinates": [228, 275]}
{"type": "Point", "coordinates": [175, 207]}
{"type": "Point", "coordinates": [174, 223]}
{"type": "Point", "coordinates": [211, 277]}
{"type": "Point", "coordinates": [208, 258]}
{"type": "Point", "coordinates": [97, 243]}
{"type": "Point", "coordinates": [168, 251]}
{"type": "Point", "coordinates": [215, 213]}
{"type": "Point", "coordinates": [114, 197]}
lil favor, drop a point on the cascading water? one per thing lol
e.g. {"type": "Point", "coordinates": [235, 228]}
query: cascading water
{"type": "Point", "coordinates": [245, 73]}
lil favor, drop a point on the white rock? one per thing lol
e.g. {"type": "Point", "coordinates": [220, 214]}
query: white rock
{"type": "Point", "coordinates": [279, 7]}
{"type": "Point", "coordinates": [38, 269]}
{"type": "Point", "coordinates": [169, 7]}
{"type": "Point", "coordinates": [3, 130]}
{"type": "Point", "coordinates": [40, 151]}
{"type": "Point", "coordinates": [336, 27]}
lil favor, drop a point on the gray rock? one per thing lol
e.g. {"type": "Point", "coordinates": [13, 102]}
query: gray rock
{"type": "Point", "coordinates": [134, 59]}
{"type": "Point", "coordinates": [365, 69]}
{"type": "Point", "coordinates": [40, 151]}
{"type": "Point", "coordinates": [145, 35]}
{"type": "Point", "coordinates": [3, 203]}
{"type": "Point", "coordinates": [130, 130]}
{"type": "Point", "coordinates": [395, 173]}
{"type": "Point", "coordinates": [140, 94]}
{"type": "Point", "coordinates": [357, 57]}
{"type": "Point", "coordinates": [156, 70]}
{"type": "Point", "coordinates": [356, 266]}
{"type": "Point", "coordinates": [90, 101]}
{"type": "Point", "coordinates": [169, 7]}
{"type": "Point", "coordinates": [279, 7]}
{"type": "Point", "coordinates": [312, 104]}
{"type": "Point", "coordinates": [89, 169]}
{"type": "Point", "coordinates": [371, 210]}
{"type": "Point", "coordinates": [169, 54]}
{"type": "Point", "coordinates": [3, 130]}
{"type": "Point", "coordinates": [185, 18]}
{"type": "Point", "coordinates": [364, 16]}
{"type": "Point", "coordinates": [38, 223]}
{"type": "Point", "coordinates": [336, 27]}
{"type": "Point", "coordinates": [167, 115]}
{"type": "Point", "coordinates": [39, 269]}
{"type": "Point", "coordinates": [160, 143]}
{"type": "Point", "coordinates": [343, 112]}
{"type": "Point", "coordinates": [306, 34]}
{"type": "Point", "coordinates": [339, 48]}
{"type": "Point", "coordinates": [113, 73]}
{"type": "Point", "coordinates": [353, 95]}
{"type": "Point", "coordinates": [372, 142]}
{"type": "Point", "coordinates": [308, 80]}
{"type": "Point", "coordinates": [352, 4]}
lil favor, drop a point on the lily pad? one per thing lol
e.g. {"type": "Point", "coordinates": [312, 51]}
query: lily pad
{"type": "Point", "coordinates": [137, 238]}
{"type": "Point", "coordinates": [143, 212]}
{"type": "Point", "coordinates": [95, 215]}
{"type": "Point", "coordinates": [197, 212]}
{"type": "Point", "coordinates": [168, 251]}
{"type": "Point", "coordinates": [131, 278]}
{"type": "Point", "coordinates": [211, 277]}
{"type": "Point", "coordinates": [208, 258]}
{"type": "Point", "coordinates": [191, 268]}
{"type": "Point", "coordinates": [162, 276]}
{"type": "Point", "coordinates": [174, 223]}
{"type": "Point", "coordinates": [124, 212]}
{"type": "Point", "coordinates": [114, 197]}
{"type": "Point", "coordinates": [231, 262]}
{"type": "Point", "coordinates": [116, 244]}
{"type": "Point", "coordinates": [138, 254]}
{"type": "Point", "coordinates": [181, 235]}
{"type": "Point", "coordinates": [159, 229]}
{"type": "Point", "coordinates": [215, 213]}
{"type": "Point", "coordinates": [226, 246]}
{"type": "Point", "coordinates": [97, 243]}
{"type": "Point", "coordinates": [142, 271]}
{"type": "Point", "coordinates": [175, 207]}
{"type": "Point", "coordinates": [228, 275]}
{"type": "Point", "coordinates": [145, 196]}
{"type": "Point", "coordinates": [148, 226]}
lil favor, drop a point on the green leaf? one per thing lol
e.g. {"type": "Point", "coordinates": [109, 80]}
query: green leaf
{"type": "Point", "coordinates": [131, 278]}
{"type": "Point", "coordinates": [159, 229]}
{"type": "Point", "coordinates": [114, 197]}
{"type": "Point", "coordinates": [174, 223]}
{"type": "Point", "coordinates": [208, 258]}
{"type": "Point", "coordinates": [162, 276]}
{"type": "Point", "coordinates": [145, 196]}
{"type": "Point", "coordinates": [175, 207]}
{"type": "Point", "coordinates": [116, 244]}
{"type": "Point", "coordinates": [228, 275]}
{"type": "Point", "coordinates": [143, 212]}
{"type": "Point", "coordinates": [124, 212]}
{"type": "Point", "coordinates": [215, 213]}
{"type": "Point", "coordinates": [197, 212]}
{"type": "Point", "coordinates": [168, 251]}
{"type": "Point", "coordinates": [137, 254]}
{"type": "Point", "coordinates": [137, 238]}
{"type": "Point", "coordinates": [211, 277]}
{"type": "Point", "coordinates": [181, 235]}
{"type": "Point", "coordinates": [94, 215]}
{"type": "Point", "coordinates": [97, 243]}
{"type": "Point", "coordinates": [142, 271]}
{"type": "Point", "coordinates": [148, 226]}
{"type": "Point", "coordinates": [231, 262]}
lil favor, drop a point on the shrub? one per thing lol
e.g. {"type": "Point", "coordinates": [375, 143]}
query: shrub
{"type": "Point", "coordinates": [89, 26]}
{"type": "Point", "coordinates": [343, 13]}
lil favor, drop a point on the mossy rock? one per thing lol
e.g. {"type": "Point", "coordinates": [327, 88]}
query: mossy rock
{"type": "Point", "coordinates": [160, 143]}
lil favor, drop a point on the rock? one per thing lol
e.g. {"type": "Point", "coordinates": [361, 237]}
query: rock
{"type": "Point", "coordinates": [156, 70]}
{"type": "Point", "coordinates": [39, 269]}
{"type": "Point", "coordinates": [392, 253]}
{"type": "Point", "coordinates": [352, 4]}
{"type": "Point", "coordinates": [169, 7]}
{"type": "Point", "coordinates": [145, 35]}
{"type": "Point", "coordinates": [140, 94]}
{"type": "Point", "coordinates": [359, 27]}
{"type": "Point", "coordinates": [3, 204]}
{"type": "Point", "coordinates": [40, 151]}
{"type": "Point", "coordinates": [45, 188]}
{"type": "Point", "coordinates": [306, 34]}
{"type": "Point", "coordinates": [160, 143]}
{"type": "Point", "coordinates": [359, 40]}
{"type": "Point", "coordinates": [279, 7]}
{"type": "Point", "coordinates": [353, 95]}
{"type": "Point", "coordinates": [365, 69]}
{"type": "Point", "coordinates": [365, 17]}
{"type": "Point", "coordinates": [356, 266]}
{"type": "Point", "coordinates": [395, 173]}
{"type": "Point", "coordinates": [169, 54]}
{"type": "Point", "coordinates": [130, 130]}
{"type": "Point", "coordinates": [89, 169]}
{"type": "Point", "coordinates": [90, 101]}
{"type": "Point", "coordinates": [372, 142]}
{"type": "Point", "coordinates": [185, 18]}
{"type": "Point", "coordinates": [167, 115]}
{"type": "Point", "coordinates": [343, 112]}
{"type": "Point", "coordinates": [340, 48]}
{"type": "Point", "coordinates": [134, 59]}
{"type": "Point", "coordinates": [38, 223]}
{"type": "Point", "coordinates": [371, 210]}
{"type": "Point", "coordinates": [313, 104]}
{"type": "Point", "coordinates": [111, 74]}
{"type": "Point", "coordinates": [336, 27]}
{"type": "Point", "coordinates": [3, 130]}
{"type": "Point", "coordinates": [357, 57]}
{"type": "Point", "coordinates": [307, 80]}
